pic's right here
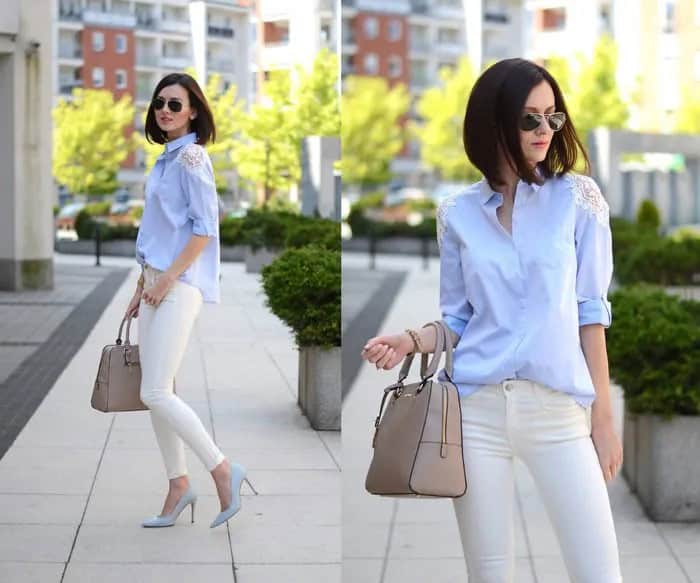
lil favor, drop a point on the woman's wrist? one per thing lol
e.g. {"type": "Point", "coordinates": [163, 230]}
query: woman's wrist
{"type": "Point", "coordinates": [408, 343]}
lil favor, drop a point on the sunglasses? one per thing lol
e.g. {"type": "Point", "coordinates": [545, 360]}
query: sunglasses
{"type": "Point", "coordinates": [531, 121]}
{"type": "Point", "coordinates": [173, 105]}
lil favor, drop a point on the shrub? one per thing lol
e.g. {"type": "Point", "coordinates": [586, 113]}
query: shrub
{"type": "Point", "coordinates": [654, 350]}
{"type": "Point", "coordinates": [321, 232]}
{"type": "Point", "coordinates": [660, 260]}
{"type": "Point", "coordinates": [648, 216]}
{"type": "Point", "coordinates": [231, 231]}
{"type": "Point", "coordinates": [136, 212]}
{"type": "Point", "coordinates": [264, 228]}
{"type": "Point", "coordinates": [303, 290]}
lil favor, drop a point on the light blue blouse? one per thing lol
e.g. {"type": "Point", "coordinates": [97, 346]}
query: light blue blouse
{"type": "Point", "coordinates": [517, 301]}
{"type": "Point", "coordinates": [181, 200]}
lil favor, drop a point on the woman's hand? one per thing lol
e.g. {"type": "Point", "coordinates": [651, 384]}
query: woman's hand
{"type": "Point", "coordinates": [155, 293]}
{"type": "Point", "coordinates": [608, 447]}
{"type": "Point", "coordinates": [387, 351]}
{"type": "Point", "coordinates": [133, 307]}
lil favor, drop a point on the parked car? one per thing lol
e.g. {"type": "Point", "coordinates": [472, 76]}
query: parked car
{"type": "Point", "coordinates": [65, 219]}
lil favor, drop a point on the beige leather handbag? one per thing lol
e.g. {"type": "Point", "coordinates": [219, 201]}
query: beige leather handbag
{"type": "Point", "coordinates": [418, 440]}
{"type": "Point", "coordinates": [118, 383]}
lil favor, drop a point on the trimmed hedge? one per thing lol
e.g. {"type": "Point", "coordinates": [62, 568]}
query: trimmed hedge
{"type": "Point", "coordinates": [303, 290]}
{"type": "Point", "coordinates": [654, 350]}
{"type": "Point", "coordinates": [660, 260]}
{"type": "Point", "coordinates": [321, 232]}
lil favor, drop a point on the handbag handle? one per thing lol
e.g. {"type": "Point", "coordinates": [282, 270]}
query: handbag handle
{"type": "Point", "coordinates": [119, 334]}
{"type": "Point", "coordinates": [426, 370]}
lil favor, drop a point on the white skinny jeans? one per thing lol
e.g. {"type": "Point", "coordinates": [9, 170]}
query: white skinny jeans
{"type": "Point", "coordinates": [550, 433]}
{"type": "Point", "coordinates": [163, 333]}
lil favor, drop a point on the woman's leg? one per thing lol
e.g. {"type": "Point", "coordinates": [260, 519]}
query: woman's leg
{"type": "Point", "coordinates": [559, 452]}
{"type": "Point", "coordinates": [485, 512]}
{"type": "Point", "coordinates": [173, 420]}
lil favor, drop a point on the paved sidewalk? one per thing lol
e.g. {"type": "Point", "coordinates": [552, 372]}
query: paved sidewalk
{"type": "Point", "coordinates": [76, 483]}
{"type": "Point", "coordinates": [404, 541]}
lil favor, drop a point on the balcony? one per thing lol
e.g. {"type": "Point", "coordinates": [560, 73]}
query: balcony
{"type": "Point", "coordinates": [66, 51]}
{"type": "Point", "coordinates": [496, 17]}
{"type": "Point", "coordinates": [175, 26]}
{"type": "Point", "coordinates": [109, 19]}
{"type": "Point", "coordinates": [71, 14]}
{"type": "Point", "coordinates": [420, 45]}
{"type": "Point", "coordinates": [66, 86]}
{"type": "Point", "coordinates": [144, 92]}
{"type": "Point", "coordinates": [221, 65]}
{"type": "Point", "coordinates": [146, 60]}
{"type": "Point", "coordinates": [220, 31]}
{"type": "Point", "coordinates": [146, 22]}
{"type": "Point", "coordinates": [178, 62]}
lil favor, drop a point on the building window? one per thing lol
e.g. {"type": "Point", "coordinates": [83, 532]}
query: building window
{"type": "Point", "coordinates": [394, 30]}
{"type": "Point", "coordinates": [371, 27]}
{"type": "Point", "coordinates": [371, 64]}
{"type": "Point", "coordinates": [395, 66]}
{"type": "Point", "coordinates": [98, 41]}
{"type": "Point", "coordinates": [98, 76]}
{"type": "Point", "coordinates": [668, 16]}
{"type": "Point", "coordinates": [553, 19]}
{"type": "Point", "coordinates": [121, 78]}
{"type": "Point", "coordinates": [448, 36]}
{"type": "Point", "coordinates": [120, 41]}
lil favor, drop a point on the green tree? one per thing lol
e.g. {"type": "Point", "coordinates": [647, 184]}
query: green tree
{"type": "Point", "coordinates": [316, 97]}
{"type": "Point", "coordinates": [688, 116]}
{"type": "Point", "coordinates": [596, 97]}
{"type": "Point", "coordinates": [267, 152]}
{"type": "Point", "coordinates": [90, 141]}
{"type": "Point", "coordinates": [370, 132]}
{"type": "Point", "coordinates": [440, 133]}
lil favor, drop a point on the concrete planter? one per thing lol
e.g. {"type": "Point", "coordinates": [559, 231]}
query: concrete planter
{"type": "Point", "coordinates": [233, 253]}
{"type": "Point", "coordinates": [660, 465]}
{"type": "Point", "coordinates": [256, 260]}
{"type": "Point", "coordinates": [319, 386]}
{"type": "Point", "coordinates": [392, 245]}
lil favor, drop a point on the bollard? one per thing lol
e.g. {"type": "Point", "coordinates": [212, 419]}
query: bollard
{"type": "Point", "coordinates": [98, 241]}
{"type": "Point", "coordinates": [372, 249]}
{"type": "Point", "coordinates": [425, 252]}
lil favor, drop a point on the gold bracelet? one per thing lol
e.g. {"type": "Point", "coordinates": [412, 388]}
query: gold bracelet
{"type": "Point", "coordinates": [416, 339]}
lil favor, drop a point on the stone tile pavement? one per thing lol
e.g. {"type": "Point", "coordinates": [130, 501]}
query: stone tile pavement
{"type": "Point", "coordinates": [76, 483]}
{"type": "Point", "coordinates": [404, 541]}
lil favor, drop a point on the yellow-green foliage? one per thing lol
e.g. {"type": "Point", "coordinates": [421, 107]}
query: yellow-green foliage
{"type": "Point", "coordinates": [89, 142]}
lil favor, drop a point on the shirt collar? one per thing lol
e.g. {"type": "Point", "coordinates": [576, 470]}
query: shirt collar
{"type": "Point", "coordinates": [487, 194]}
{"type": "Point", "coordinates": [181, 141]}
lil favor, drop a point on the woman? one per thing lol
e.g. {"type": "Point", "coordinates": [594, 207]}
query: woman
{"type": "Point", "coordinates": [178, 248]}
{"type": "Point", "coordinates": [525, 265]}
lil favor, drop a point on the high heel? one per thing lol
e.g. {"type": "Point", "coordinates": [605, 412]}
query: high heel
{"type": "Point", "coordinates": [238, 474]}
{"type": "Point", "coordinates": [189, 497]}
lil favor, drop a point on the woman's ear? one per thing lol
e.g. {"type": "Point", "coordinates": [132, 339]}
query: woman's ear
{"type": "Point", "coordinates": [193, 114]}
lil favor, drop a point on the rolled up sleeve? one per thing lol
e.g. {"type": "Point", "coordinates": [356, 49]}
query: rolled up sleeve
{"type": "Point", "coordinates": [593, 255]}
{"type": "Point", "coordinates": [202, 198]}
{"type": "Point", "coordinates": [455, 309]}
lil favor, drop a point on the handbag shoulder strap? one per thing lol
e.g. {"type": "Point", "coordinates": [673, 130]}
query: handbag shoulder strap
{"type": "Point", "coordinates": [449, 365]}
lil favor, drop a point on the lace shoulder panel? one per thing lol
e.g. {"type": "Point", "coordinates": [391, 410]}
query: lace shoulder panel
{"type": "Point", "coordinates": [441, 215]}
{"type": "Point", "coordinates": [192, 156]}
{"type": "Point", "coordinates": [587, 195]}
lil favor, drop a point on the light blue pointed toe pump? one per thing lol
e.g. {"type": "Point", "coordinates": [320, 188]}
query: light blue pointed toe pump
{"type": "Point", "coordinates": [189, 497]}
{"type": "Point", "coordinates": [238, 474]}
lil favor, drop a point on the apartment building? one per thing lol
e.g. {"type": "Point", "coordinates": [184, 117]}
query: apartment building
{"type": "Point", "coordinates": [293, 33]}
{"type": "Point", "coordinates": [127, 46]}
{"type": "Point", "coordinates": [409, 41]}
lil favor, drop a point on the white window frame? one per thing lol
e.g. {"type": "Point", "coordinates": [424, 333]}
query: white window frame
{"type": "Point", "coordinates": [395, 30]}
{"type": "Point", "coordinates": [371, 58]}
{"type": "Point", "coordinates": [395, 61]}
{"type": "Point", "coordinates": [125, 47]}
{"type": "Point", "coordinates": [98, 41]}
{"type": "Point", "coordinates": [123, 73]}
{"type": "Point", "coordinates": [100, 76]}
{"type": "Point", "coordinates": [371, 27]}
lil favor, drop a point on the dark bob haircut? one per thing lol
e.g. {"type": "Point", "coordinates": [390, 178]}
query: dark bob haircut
{"type": "Point", "coordinates": [492, 119]}
{"type": "Point", "coordinates": [203, 124]}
